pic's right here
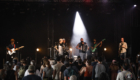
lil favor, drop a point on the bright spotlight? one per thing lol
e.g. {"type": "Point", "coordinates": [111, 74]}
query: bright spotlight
{"type": "Point", "coordinates": [135, 5]}
{"type": "Point", "coordinates": [79, 31]}
{"type": "Point", "coordinates": [70, 49]}
{"type": "Point", "coordinates": [37, 49]}
{"type": "Point", "coordinates": [105, 49]}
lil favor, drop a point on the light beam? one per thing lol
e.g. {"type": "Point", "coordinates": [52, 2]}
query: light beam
{"type": "Point", "coordinates": [79, 31]}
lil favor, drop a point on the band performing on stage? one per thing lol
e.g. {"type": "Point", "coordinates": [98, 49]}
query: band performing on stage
{"type": "Point", "coordinates": [62, 49]}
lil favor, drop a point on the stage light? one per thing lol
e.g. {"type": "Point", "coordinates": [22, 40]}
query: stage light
{"type": "Point", "coordinates": [70, 49]}
{"type": "Point", "coordinates": [37, 49]}
{"type": "Point", "coordinates": [105, 49]}
{"type": "Point", "coordinates": [135, 5]}
{"type": "Point", "coordinates": [79, 31]}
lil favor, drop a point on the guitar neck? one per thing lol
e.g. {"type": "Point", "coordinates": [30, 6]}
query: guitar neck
{"type": "Point", "coordinates": [97, 45]}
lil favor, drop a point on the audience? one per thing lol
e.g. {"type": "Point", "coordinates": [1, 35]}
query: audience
{"type": "Point", "coordinates": [32, 75]}
{"type": "Point", "coordinates": [36, 70]}
{"type": "Point", "coordinates": [66, 63]}
{"type": "Point", "coordinates": [11, 74]}
{"type": "Point", "coordinates": [98, 69]}
{"type": "Point", "coordinates": [104, 76]}
{"type": "Point", "coordinates": [47, 71]}
{"type": "Point", "coordinates": [125, 74]}
{"type": "Point", "coordinates": [87, 70]}
{"type": "Point", "coordinates": [114, 69]}
{"type": "Point", "coordinates": [69, 69]}
{"type": "Point", "coordinates": [57, 68]}
{"type": "Point", "coordinates": [22, 69]}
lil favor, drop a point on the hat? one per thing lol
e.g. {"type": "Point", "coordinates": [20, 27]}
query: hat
{"type": "Point", "coordinates": [12, 40]}
{"type": "Point", "coordinates": [31, 68]}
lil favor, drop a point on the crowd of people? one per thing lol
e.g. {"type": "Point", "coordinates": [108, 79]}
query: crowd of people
{"type": "Point", "coordinates": [62, 68]}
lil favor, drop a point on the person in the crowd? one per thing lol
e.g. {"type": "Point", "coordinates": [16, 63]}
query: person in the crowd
{"type": "Point", "coordinates": [47, 71]}
{"type": "Point", "coordinates": [11, 74]}
{"type": "Point", "coordinates": [80, 64]}
{"type": "Point", "coordinates": [61, 75]}
{"type": "Point", "coordinates": [15, 67]}
{"type": "Point", "coordinates": [104, 76]}
{"type": "Point", "coordinates": [105, 64]}
{"type": "Point", "coordinates": [87, 70]}
{"type": "Point", "coordinates": [138, 74]}
{"type": "Point", "coordinates": [94, 61]}
{"type": "Point", "coordinates": [36, 70]}
{"type": "Point", "coordinates": [28, 59]}
{"type": "Point", "coordinates": [6, 66]}
{"type": "Point", "coordinates": [43, 64]}
{"type": "Point", "coordinates": [56, 69]}
{"type": "Point", "coordinates": [77, 60]}
{"type": "Point", "coordinates": [98, 69]}
{"type": "Point", "coordinates": [22, 69]}
{"type": "Point", "coordinates": [71, 70]}
{"type": "Point", "coordinates": [32, 75]}
{"type": "Point", "coordinates": [2, 74]}
{"type": "Point", "coordinates": [114, 69]}
{"type": "Point", "coordinates": [125, 74]}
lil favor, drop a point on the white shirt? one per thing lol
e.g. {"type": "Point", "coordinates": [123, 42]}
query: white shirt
{"type": "Point", "coordinates": [123, 74]}
{"type": "Point", "coordinates": [60, 49]}
{"type": "Point", "coordinates": [125, 47]}
{"type": "Point", "coordinates": [57, 68]}
{"type": "Point", "coordinates": [37, 73]}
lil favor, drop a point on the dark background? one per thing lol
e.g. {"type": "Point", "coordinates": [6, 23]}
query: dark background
{"type": "Point", "coordinates": [40, 25]}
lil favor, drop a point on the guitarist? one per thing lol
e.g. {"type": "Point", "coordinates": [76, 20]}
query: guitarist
{"type": "Point", "coordinates": [11, 46]}
{"type": "Point", "coordinates": [122, 49]}
{"type": "Point", "coordinates": [95, 53]}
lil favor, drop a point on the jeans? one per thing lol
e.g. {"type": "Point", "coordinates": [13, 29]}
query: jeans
{"type": "Point", "coordinates": [83, 56]}
{"type": "Point", "coordinates": [123, 55]}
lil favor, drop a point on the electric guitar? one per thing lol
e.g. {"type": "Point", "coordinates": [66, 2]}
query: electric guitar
{"type": "Point", "coordinates": [93, 49]}
{"type": "Point", "coordinates": [12, 51]}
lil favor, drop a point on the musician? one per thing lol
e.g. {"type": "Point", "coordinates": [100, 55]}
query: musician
{"type": "Point", "coordinates": [60, 47]}
{"type": "Point", "coordinates": [65, 48]}
{"type": "Point", "coordinates": [122, 48]}
{"type": "Point", "coordinates": [11, 46]}
{"type": "Point", "coordinates": [95, 53]}
{"type": "Point", "coordinates": [82, 46]}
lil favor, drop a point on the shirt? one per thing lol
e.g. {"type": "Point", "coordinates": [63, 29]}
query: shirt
{"type": "Point", "coordinates": [37, 73]}
{"type": "Point", "coordinates": [57, 68]}
{"type": "Point", "coordinates": [99, 69]}
{"type": "Point", "coordinates": [93, 45]}
{"type": "Point", "coordinates": [48, 72]}
{"type": "Point", "coordinates": [123, 49]}
{"type": "Point", "coordinates": [10, 46]}
{"type": "Point", "coordinates": [124, 75]}
{"type": "Point", "coordinates": [66, 72]}
{"type": "Point", "coordinates": [31, 77]}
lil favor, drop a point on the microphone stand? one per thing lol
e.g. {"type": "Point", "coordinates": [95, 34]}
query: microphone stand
{"type": "Point", "coordinates": [18, 55]}
{"type": "Point", "coordinates": [50, 52]}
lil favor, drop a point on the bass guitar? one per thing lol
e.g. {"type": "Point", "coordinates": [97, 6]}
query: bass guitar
{"type": "Point", "coordinates": [12, 51]}
{"type": "Point", "coordinates": [93, 49]}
